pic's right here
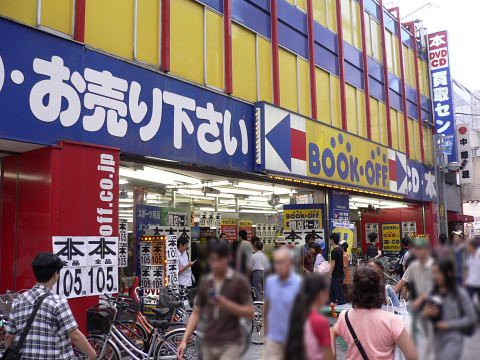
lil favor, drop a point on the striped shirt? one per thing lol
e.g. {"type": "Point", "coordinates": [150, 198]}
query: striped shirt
{"type": "Point", "coordinates": [48, 337]}
{"type": "Point", "coordinates": [420, 276]}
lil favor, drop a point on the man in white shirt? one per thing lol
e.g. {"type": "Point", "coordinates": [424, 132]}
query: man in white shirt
{"type": "Point", "coordinates": [185, 275]}
{"type": "Point", "coordinates": [260, 266]}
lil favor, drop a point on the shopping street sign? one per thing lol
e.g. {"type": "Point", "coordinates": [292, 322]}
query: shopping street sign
{"type": "Point", "coordinates": [291, 144]}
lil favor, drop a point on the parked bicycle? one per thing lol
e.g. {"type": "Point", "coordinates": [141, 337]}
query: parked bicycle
{"type": "Point", "coordinates": [112, 341]}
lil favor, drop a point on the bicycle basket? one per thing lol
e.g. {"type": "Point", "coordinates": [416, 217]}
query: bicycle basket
{"type": "Point", "coordinates": [99, 320]}
{"type": "Point", "coordinates": [6, 301]}
{"type": "Point", "coordinates": [130, 312]}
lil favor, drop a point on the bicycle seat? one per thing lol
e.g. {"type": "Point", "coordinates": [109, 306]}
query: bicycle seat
{"type": "Point", "coordinates": [161, 311]}
{"type": "Point", "coordinates": [175, 304]}
{"type": "Point", "coordinates": [160, 324]}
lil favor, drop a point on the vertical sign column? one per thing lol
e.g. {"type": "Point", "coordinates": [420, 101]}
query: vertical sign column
{"type": "Point", "coordinates": [443, 111]}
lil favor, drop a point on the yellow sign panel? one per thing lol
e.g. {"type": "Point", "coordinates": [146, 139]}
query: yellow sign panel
{"type": "Point", "coordinates": [337, 156]}
{"type": "Point", "coordinates": [347, 235]}
{"type": "Point", "coordinates": [246, 223]}
{"type": "Point", "coordinates": [226, 221]}
{"type": "Point", "coordinates": [391, 234]}
{"type": "Point", "coordinates": [302, 219]}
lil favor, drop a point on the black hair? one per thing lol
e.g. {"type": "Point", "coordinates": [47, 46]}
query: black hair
{"type": "Point", "coordinates": [312, 285]}
{"type": "Point", "coordinates": [254, 239]}
{"type": "Point", "coordinates": [312, 245]}
{"type": "Point", "coordinates": [345, 246]}
{"type": "Point", "coordinates": [45, 265]}
{"type": "Point", "coordinates": [372, 237]}
{"type": "Point", "coordinates": [219, 248]}
{"type": "Point", "coordinates": [258, 245]}
{"type": "Point", "coordinates": [368, 291]}
{"type": "Point", "coordinates": [182, 241]}
{"type": "Point", "coordinates": [309, 237]}
{"type": "Point", "coordinates": [443, 238]}
{"type": "Point", "coordinates": [406, 241]}
{"type": "Point", "coordinates": [447, 268]}
{"type": "Point", "coordinates": [222, 234]}
{"type": "Point", "coordinates": [335, 237]}
{"type": "Point", "coordinates": [242, 234]}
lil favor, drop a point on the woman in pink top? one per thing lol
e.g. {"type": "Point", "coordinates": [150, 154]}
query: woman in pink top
{"type": "Point", "coordinates": [378, 331]}
{"type": "Point", "coordinates": [309, 336]}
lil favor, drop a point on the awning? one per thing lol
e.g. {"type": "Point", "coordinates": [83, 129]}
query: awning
{"type": "Point", "coordinates": [460, 217]}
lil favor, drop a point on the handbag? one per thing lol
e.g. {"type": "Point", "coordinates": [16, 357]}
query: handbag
{"type": "Point", "coordinates": [355, 338]}
{"type": "Point", "coordinates": [15, 353]}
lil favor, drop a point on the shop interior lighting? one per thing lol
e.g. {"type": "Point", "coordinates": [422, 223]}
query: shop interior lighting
{"type": "Point", "coordinates": [122, 181]}
{"type": "Point", "coordinates": [157, 176]}
{"type": "Point", "coordinates": [252, 211]}
{"type": "Point", "coordinates": [122, 205]}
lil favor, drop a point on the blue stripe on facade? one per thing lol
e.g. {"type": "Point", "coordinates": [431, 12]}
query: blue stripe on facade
{"type": "Point", "coordinates": [375, 70]}
{"type": "Point", "coordinates": [326, 60]}
{"type": "Point", "coordinates": [411, 94]}
{"type": "Point", "coordinates": [390, 23]}
{"type": "Point", "coordinates": [376, 89]}
{"type": "Point", "coordinates": [372, 8]}
{"type": "Point", "coordinates": [412, 110]}
{"type": "Point", "coordinates": [214, 4]}
{"type": "Point", "coordinates": [353, 76]}
{"type": "Point", "coordinates": [252, 16]}
{"type": "Point", "coordinates": [353, 56]}
{"type": "Point", "coordinates": [292, 40]}
{"type": "Point", "coordinates": [395, 100]}
{"type": "Point", "coordinates": [394, 83]}
{"type": "Point", "coordinates": [325, 37]}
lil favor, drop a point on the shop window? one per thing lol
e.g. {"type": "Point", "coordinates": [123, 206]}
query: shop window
{"type": "Point", "coordinates": [214, 46]}
{"type": "Point", "coordinates": [288, 80]}
{"type": "Point", "coordinates": [362, 116]}
{"type": "Point", "coordinates": [335, 101]}
{"type": "Point", "coordinates": [324, 106]}
{"type": "Point", "coordinates": [244, 63]}
{"type": "Point", "coordinates": [382, 118]}
{"type": "Point", "coordinates": [401, 132]}
{"type": "Point", "coordinates": [352, 112]}
{"type": "Point", "coordinates": [58, 15]}
{"type": "Point", "coordinates": [374, 119]}
{"type": "Point", "coordinates": [394, 128]}
{"type": "Point", "coordinates": [305, 103]}
{"type": "Point", "coordinates": [186, 35]}
{"type": "Point", "coordinates": [264, 69]}
{"type": "Point", "coordinates": [24, 11]}
{"type": "Point", "coordinates": [148, 38]}
{"type": "Point", "coordinates": [109, 26]}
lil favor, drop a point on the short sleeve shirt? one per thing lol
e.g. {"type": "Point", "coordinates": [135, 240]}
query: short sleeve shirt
{"type": "Point", "coordinates": [316, 335]}
{"type": "Point", "coordinates": [377, 330]}
{"type": "Point", "coordinates": [48, 337]}
{"type": "Point", "coordinates": [372, 251]}
{"type": "Point", "coordinates": [221, 325]}
{"type": "Point", "coordinates": [420, 276]}
{"type": "Point", "coordinates": [337, 255]}
{"type": "Point", "coordinates": [185, 277]}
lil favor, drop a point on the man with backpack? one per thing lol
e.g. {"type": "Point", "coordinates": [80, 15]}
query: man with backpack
{"type": "Point", "coordinates": [403, 256]}
{"type": "Point", "coordinates": [41, 325]}
{"type": "Point", "coordinates": [244, 255]}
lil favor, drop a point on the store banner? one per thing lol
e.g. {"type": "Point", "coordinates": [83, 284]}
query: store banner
{"type": "Point", "coordinates": [465, 154]}
{"type": "Point", "coordinates": [298, 147]}
{"type": "Point", "coordinates": [229, 227]}
{"type": "Point", "coordinates": [210, 219]}
{"type": "Point", "coordinates": [371, 228]}
{"type": "Point", "coordinates": [122, 243]}
{"type": "Point", "coordinates": [267, 233]}
{"type": "Point", "coordinates": [409, 228]}
{"type": "Point", "coordinates": [339, 213]}
{"type": "Point", "coordinates": [172, 260]}
{"type": "Point", "coordinates": [152, 263]}
{"type": "Point", "coordinates": [421, 185]}
{"type": "Point", "coordinates": [178, 219]}
{"type": "Point", "coordinates": [391, 235]}
{"type": "Point", "coordinates": [442, 93]}
{"type": "Point", "coordinates": [52, 88]}
{"type": "Point", "coordinates": [299, 220]}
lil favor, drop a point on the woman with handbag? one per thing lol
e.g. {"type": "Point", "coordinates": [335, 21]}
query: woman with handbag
{"type": "Point", "coordinates": [370, 332]}
{"type": "Point", "coordinates": [451, 311]}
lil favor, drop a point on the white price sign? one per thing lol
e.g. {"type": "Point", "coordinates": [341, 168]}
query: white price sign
{"type": "Point", "coordinates": [172, 260]}
{"type": "Point", "coordinates": [91, 265]}
{"type": "Point", "coordinates": [123, 243]}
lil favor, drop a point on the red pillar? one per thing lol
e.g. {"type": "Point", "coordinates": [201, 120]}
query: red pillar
{"type": "Point", "coordinates": [311, 51]}
{"type": "Point", "coordinates": [275, 59]}
{"type": "Point", "coordinates": [431, 222]}
{"type": "Point", "coordinates": [54, 191]}
{"type": "Point", "coordinates": [79, 30]}
{"type": "Point", "coordinates": [227, 23]}
{"type": "Point", "coordinates": [366, 76]}
{"type": "Point", "coordinates": [165, 36]}
{"type": "Point", "coordinates": [386, 80]}
{"type": "Point", "coordinates": [341, 66]}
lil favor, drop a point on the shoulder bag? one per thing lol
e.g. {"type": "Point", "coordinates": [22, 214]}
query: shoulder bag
{"type": "Point", "coordinates": [15, 353]}
{"type": "Point", "coordinates": [355, 338]}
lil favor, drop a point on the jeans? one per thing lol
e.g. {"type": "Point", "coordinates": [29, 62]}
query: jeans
{"type": "Point", "coordinates": [336, 290]}
{"type": "Point", "coordinates": [257, 283]}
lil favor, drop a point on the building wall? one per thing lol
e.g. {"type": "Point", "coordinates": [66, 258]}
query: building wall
{"type": "Point", "coordinates": [192, 42]}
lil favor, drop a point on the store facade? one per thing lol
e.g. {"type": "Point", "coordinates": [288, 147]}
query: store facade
{"type": "Point", "coordinates": [98, 148]}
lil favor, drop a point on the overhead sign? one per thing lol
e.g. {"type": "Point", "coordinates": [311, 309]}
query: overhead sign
{"type": "Point", "coordinates": [299, 220]}
{"type": "Point", "coordinates": [53, 88]}
{"type": "Point", "coordinates": [465, 154]}
{"type": "Point", "coordinates": [442, 93]}
{"type": "Point", "coordinates": [290, 144]}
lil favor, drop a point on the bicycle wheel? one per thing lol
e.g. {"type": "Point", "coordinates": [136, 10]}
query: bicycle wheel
{"type": "Point", "coordinates": [136, 332]}
{"type": "Point", "coordinates": [171, 341]}
{"type": "Point", "coordinates": [111, 351]}
{"type": "Point", "coordinates": [257, 335]}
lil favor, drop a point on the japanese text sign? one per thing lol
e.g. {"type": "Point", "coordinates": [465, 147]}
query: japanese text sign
{"type": "Point", "coordinates": [442, 94]}
{"type": "Point", "coordinates": [90, 265]}
{"type": "Point", "coordinates": [122, 243]}
{"type": "Point", "coordinates": [391, 235]}
{"type": "Point", "coordinates": [52, 89]}
{"type": "Point", "coordinates": [465, 154]}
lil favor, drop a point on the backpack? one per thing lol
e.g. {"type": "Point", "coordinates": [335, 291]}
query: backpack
{"type": "Point", "coordinates": [399, 263]}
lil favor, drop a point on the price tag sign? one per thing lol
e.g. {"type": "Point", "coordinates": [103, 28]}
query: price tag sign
{"type": "Point", "coordinates": [90, 265]}
{"type": "Point", "coordinates": [172, 260]}
{"type": "Point", "coordinates": [122, 243]}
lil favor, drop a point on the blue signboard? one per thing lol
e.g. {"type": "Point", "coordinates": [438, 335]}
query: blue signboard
{"type": "Point", "coordinates": [53, 89]}
{"type": "Point", "coordinates": [421, 182]}
{"type": "Point", "coordinates": [442, 92]}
